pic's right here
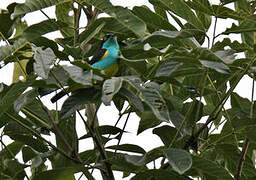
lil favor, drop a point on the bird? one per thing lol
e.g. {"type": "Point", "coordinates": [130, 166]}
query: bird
{"type": "Point", "coordinates": [104, 59]}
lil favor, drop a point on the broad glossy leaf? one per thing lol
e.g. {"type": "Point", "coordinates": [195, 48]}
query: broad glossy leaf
{"type": "Point", "coordinates": [66, 173]}
{"type": "Point", "coordinates": [122, 15]}
{"type": "Point", "coordinates": [13, 147]}
{"type": "Point", "coordinates": [82, 96]}
{"type": "Point", "coordinates": [13, 93]}
{"type": "Point", "coordinates": [7, 52]}
{"type": "Point", "coordinates": [13, 169]}
{"type": "Point", "coordinates": [89, 33]}
{"type": "Point", "coordinates": [224, 12]}
{"type": "Point", "coordinates": [166, 68]}
{"type": "Point", "coordinates": [110, 88]}
{"type": "Point", "coordinates": [153, 21]}
{"type": "Point", "coordinates": [179, 159]}
{"type": "Point", "coordinates": [207, 167]}
{"type": "Point", "coordinates": [44, 59]}
{"type": "Point", "coordinates": [202, 6]}
{"type": "Point", "coordinates": [120, 162]}
{"type": "Point", "coordinates": [34, 143]}
{"type": "Point", "coordinates": [132, 98]}
{"type": "Point", "coordinates": [243, 104]}
{"type": "Point", "coordinates": [27, 154]}
{"type": "Point", "coordinates": [103, 130]}
{"type": "Point", "coordinates": [148, 120]}
{"type": "Point", "coordinates": [140, 66]}
{"type": "Point", "coordinates": [158, 174]}
{"type": "Point", "coordinates": [39, 29]}
{"type": "Point", "coordinates": [128, 148]}
{"type": "Point", "coordinates": [181, 9]}
{"type": "Point", "coordinates": [166, 133]}
{"type": "Point", "coordinates": [24, 99]}
{"type": "Point", "coordinates": [135, 160]}
{"type": "Point", "coordinates": [62, 14]}
{"type": "Point", "coordinates": [151, 96]}
{"type": "Point", "coordinates": [247, 25]}
{"type": "Point", "coordinates": [235, 46]}
{"type": "Point", "coordinates": [32, 5]}
{"type": "Point", "coordinates": [6, 26]}
{"type": "Point", "coordinates": [217, 66]}
{"type": "Point", "coordinates": [229, 150]}
{"type": "Point", "coordinates": [80, 76]}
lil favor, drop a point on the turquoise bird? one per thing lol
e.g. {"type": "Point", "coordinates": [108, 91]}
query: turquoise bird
{"type": "Point", "coordinates": [105, 59]}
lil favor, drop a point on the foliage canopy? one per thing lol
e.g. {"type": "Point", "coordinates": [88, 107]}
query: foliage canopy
{"type": "Point", "coordinates": [165, 75]}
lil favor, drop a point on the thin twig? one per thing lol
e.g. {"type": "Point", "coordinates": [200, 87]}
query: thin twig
{"type": "Point", "coordinates": [242, 159]}
{"type": "Point", "coordinates": [214, 31]}
{"type": "Point", "coordinates": [56, 129]}
{"type": "Point", "coordinates": [125, 123]}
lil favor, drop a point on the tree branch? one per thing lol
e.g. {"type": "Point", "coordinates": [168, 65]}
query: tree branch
{"type": "Point", "coordinates": [242, 159]}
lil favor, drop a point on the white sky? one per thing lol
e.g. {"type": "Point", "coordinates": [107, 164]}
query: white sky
{"type": "Point", "coordinates": [108, 114]}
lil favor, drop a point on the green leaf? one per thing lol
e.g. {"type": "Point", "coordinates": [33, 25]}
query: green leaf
{"type": "Point", "coordinates": [151, 96]}
{"type": "Point", "coordinates": [27, 154]}
{"type": "Point", "coordinates": [110, 88]}
{"type": "Point", "coordinates": [153, 21]}
{"type": "Point", "coordinates": [103, 130]}
{"type": "Point", "coordinates": [247, 25]}
{"type": "Point", "coordinates": [148, 120]}
{"type": "Point", "coordinates": [62, 14]}
{"type": "Point", "coordinates": [80, 76]}
{"type": "Point", "coordinates": [181, 9]}
{"type": "Point", "coordinates": [14, 169]}
{"type": "Point", "coordinates": [44, 59]}
{"type": "Point", "coordinates": [128, 147]}
{"type": "Point", "coordinates": [122, 15]}
{"type": "Point", "coordinates": [32, 5]}
{"type": "Point", "coordinates": [24, 99]}
{"type": "Point", "coordinates": [166, 68]}
{"type": "Point", "coordinates": [201, 5]}
{"type": "Point", "coordinates": [158, 174]}
{"type": "Point", "coordinates": [13, 147]}
{"type": "Point", "coordinates": [6, 26]}
{"type": "Point", "coordinates": [8, 99]}
{"type": "Point", "coordinates": [217, 66]}
{"type": "Point", "coordinates": [7, 52]}
{"type": "Point", "coordinates": [39, 29]}
{"type": "Point", "coordinates": [243, 104]}
{"type": "Point", "coordinates": [229, 150]}
{"type": "Point", "coordinates": [135, 160]}
{"type": "Point", "coordinates": [179, 159]}
{"type": "Point", "coordinates": [140, 66]}
{"type": "Point", "coordinates": [132, 98]}
{"type": "Point", "coordinates": [58, 174]}
{"type": "Point", "coordinates": [82, 96]}
{"type": "Point", "coordinates": [166, 133]}
{"type": "Point", "coordinates": [210, 168]}
{"type": "Point", "coordinates": [89, 33]}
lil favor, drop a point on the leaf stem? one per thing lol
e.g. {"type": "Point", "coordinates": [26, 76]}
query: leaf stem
{"type": "Point", "coordinates": [242, 159]}
{"type": "Point", "coordinates": [122, 132]}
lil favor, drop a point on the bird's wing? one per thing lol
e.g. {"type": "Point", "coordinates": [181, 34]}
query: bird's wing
{"type": "Point", "coordinates": [100, 54]}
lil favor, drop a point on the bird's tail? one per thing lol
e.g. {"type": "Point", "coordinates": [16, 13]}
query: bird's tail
{"type": "Point", "coordinates": [58, 96]}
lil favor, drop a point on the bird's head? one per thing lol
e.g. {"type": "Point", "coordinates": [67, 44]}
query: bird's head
{"type": "Point", "coordinates": [110, 40]}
